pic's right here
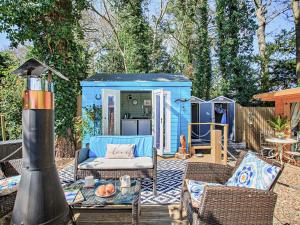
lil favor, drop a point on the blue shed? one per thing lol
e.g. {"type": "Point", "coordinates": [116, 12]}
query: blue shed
{"type": "Point", "coordinates": [218, 110]}
{"type": "Point", "coordinates": [139, 104]}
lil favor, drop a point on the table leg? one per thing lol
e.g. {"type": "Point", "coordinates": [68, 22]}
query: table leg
{"type": "Point", "coordinates": [280, 153]}
{"type": "Point", "coordinates": [71, 214]}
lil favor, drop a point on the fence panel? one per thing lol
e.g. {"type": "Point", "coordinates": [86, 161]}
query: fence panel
{"type": "Point", "coordinates": [250, 122]}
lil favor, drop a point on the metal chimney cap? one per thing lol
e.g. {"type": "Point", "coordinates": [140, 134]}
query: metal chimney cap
{"type": "Point", "coordinates": [35, 68]}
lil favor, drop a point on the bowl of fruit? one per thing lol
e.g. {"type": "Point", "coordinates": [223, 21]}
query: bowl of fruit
{"type": "Point", "coordinates": [105, 190]}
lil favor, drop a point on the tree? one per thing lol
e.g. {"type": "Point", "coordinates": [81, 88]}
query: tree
{"type": "Point", "coordinates": [261, 10]}
{"type": "Point", "coordinates": [189, 30]}
{"type": "Point", "coordinates": [296, 13]}
{"type": "Point", "coordinates": [282, 52]}
{"type": "Point", "coordinates": [52, 27]}
{"type": "Point", "coordinates": [131, 32]}
{"type": "Point", "coordinates": [202, 60]}
{"type": "Point", "coordinates": [180, 27]}
{"type": "Point", "coordinates": [11, 89]}
{"type": "Point", "coordinates": [235, 27]}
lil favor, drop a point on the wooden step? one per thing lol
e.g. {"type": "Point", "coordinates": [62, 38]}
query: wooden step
{"type": "Point", "coordinates": [203, 147]}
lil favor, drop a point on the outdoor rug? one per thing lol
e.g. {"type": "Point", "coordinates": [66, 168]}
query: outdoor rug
{"type": "Point", "coordinates": [170, 173]}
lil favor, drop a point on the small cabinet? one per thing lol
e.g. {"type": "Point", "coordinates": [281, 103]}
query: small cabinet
{"type": "Point", "coordinates": [129, 127]}
{"type": "Point", "coordinates": [136, 127]}
{"type": "Point", "coordinates": [144, 127]}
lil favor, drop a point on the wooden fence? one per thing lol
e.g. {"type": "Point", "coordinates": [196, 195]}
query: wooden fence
{"type": "Point", "coordinates": [250, 122]}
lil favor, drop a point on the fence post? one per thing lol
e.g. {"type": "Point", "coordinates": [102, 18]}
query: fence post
{"type": "Point", "coordinates": [225, 143]}
{"type": "Point", "coordinates": [190, 139]}
{"type": "Point", "coordinates": [3, 130]}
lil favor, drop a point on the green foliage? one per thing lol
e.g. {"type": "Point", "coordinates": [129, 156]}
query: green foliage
{"type": "Point", "coordinates": [279, 123]}
{"type": "Point", "coordinates": [192, 54]}
{"type": "Point", "coordinates": [52, 26]}
{"type": "Point", "coordinates": [281, 53]}
{"type": "Point", "coordinates": [134, 34]}
{"type": "Point", "coordinates": [181, 26]}
{"type": "Point", "coordinates": [110, 59]}
{"type": "Point", "coordinates": [235, 31]}
{"type": "Point", "coordinates": [11, 90]}
{"type": "Point", "coordinates": [203, 69]}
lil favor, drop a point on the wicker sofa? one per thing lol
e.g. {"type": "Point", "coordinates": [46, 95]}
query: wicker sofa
{"type": "Point", "coordinates": [227, 205]}
{"type": "Point", "coordinates": [9, 168]}
{"type": "Point", "coordinates": [144, 165]}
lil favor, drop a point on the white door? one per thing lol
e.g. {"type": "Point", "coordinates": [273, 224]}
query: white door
{"type": "Point", "coordinates": [162, 121]}
{"type": "Point", "coordinates": [110, 112]}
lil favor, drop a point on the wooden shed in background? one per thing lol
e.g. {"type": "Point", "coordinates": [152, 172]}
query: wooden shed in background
{"type": "Point", "coordinates": [283, 100]}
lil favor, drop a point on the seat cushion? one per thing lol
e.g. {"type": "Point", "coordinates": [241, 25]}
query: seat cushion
{"type": "Point", "coordinates": [104, 163]}
{"type": "Point", "coordinates": [196, 189]}
{"type": "Point", "coordinates": [254, 173]}
{"type": "Point", "coordinates": [9, 185]}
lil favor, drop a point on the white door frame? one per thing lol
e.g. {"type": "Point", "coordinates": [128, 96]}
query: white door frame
{"type": "Point", "coordinates": [164, 120]}
{"type": "Point", "coordinates": [116, 94]}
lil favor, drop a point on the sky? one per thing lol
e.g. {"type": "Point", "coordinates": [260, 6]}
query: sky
{"type": "Point", "coordinates": [281, 22]}
{"type": "Point", "coordinates": [4, 42]}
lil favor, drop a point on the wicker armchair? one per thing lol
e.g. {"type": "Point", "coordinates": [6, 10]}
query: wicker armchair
{"type": "Point", "coordinates": [9, 168]}
{"type": "Point", "coordinates": [227, 205]}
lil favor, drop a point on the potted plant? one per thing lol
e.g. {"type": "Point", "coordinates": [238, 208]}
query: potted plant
{"type": "Point", "coordinates": [280, 125]}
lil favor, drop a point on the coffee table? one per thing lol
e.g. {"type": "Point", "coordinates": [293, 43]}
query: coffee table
{"type": "Point", "coordinates": [123, 200]}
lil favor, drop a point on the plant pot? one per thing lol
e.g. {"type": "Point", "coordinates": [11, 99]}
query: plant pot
{"type": "Point", "coordinates": [280, 134]}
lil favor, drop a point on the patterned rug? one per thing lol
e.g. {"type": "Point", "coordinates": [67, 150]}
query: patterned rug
{"type": "Point", "coordinates": [169, 182]}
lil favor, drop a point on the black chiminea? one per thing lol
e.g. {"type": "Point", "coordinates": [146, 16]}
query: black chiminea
{"type": "Point", "coordinates": [40, 198]}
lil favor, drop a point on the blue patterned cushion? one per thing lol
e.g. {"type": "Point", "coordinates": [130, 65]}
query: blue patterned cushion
{"type": "Point", "coordinates": [196, 189]}
{"type": "Point", "coordinates": [254, 173]}
{"type": "Point", "coordinates": [9, 185]}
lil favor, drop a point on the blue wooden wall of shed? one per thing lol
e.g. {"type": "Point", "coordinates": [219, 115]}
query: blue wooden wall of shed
{"type": "Point", "coordinates": [180, 111]}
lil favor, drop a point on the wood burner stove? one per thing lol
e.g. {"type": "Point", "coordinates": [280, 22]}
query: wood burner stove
{"type": "Point", "coordinates": [40, 198]}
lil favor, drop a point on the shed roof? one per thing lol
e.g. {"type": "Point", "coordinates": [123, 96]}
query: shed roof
{"type": "Point", "coordinates": [195, 99]}
{"type": "Point", "coordinates": [222, 99]}
{"type": "Point", "coordinates": [138, 77]}
{"type": "Point", "coordinates": [272, 96]}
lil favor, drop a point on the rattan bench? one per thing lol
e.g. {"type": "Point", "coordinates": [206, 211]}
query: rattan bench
{"type": "Point", "coordinates": [9, 168]}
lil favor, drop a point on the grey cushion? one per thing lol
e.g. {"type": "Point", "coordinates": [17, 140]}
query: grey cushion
{"type": "Point", "coordinates": [103, 163]}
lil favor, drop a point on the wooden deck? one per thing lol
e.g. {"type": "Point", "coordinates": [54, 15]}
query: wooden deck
{"type": "Point", "coordinates": [151, 215]}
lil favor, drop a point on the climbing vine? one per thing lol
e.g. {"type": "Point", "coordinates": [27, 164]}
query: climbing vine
{"type": "Point", "coordinates": [235, 30]}
{"type": "Point", "coordinates": [52, 26]}
{"type": "Point", "coordinates": [203, 69]}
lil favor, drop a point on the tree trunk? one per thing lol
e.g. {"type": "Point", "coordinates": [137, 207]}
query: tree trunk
{"type": "Point", "coordinates": [296, 12]}
{"type": "Point", "coordinates": [261, 36]}
{"type": "Point", "coordinates": [64, 147]}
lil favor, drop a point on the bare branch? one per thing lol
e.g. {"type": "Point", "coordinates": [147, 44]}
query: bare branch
{"type": "Point", "coordinates": [109, 21]}
{"type": "Point", "coordinates": [159, 19]}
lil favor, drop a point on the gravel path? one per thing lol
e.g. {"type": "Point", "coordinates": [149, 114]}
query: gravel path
{"type": "Point", "coordinates": [287, 209]}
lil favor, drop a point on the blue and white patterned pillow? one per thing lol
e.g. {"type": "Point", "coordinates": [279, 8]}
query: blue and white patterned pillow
{"type": "Point", "coordinates": [196, 189]}
{"type": "Point", "coordinates": [254, 173]}
{"type": "Point", "coordinates": [9, 185]}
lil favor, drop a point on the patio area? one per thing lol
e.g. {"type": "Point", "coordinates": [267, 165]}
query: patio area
{"type": "Point", "coordinates": [164, 208]}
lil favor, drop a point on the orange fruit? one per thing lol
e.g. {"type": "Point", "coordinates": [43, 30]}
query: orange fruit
{"type": "Point", "coordinates": [101, 190]}
{"type": "Point", "coordinates": [110, 188]}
